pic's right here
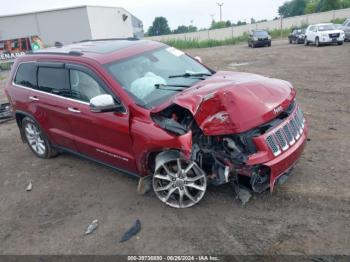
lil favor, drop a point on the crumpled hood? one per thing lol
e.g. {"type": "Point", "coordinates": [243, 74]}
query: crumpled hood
{"type": "Point", "coordinates": [234, 102]}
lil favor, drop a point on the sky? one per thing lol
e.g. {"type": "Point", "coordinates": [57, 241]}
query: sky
{"type": "Point", "coordinates": [178, 12]}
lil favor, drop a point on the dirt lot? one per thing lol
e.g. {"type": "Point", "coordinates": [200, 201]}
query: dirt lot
{"type": "Point", "coordinates": [310, 214]}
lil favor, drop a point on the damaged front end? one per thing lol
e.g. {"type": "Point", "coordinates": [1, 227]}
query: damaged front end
{"type": "Point", "coordinates": [243, 159]}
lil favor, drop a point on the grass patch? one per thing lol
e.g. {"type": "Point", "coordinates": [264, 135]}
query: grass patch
{"type": "Point", "coordinates": [2, 78]}
{"type": "Point", "coordinates": [195, 43]}
{"type": "Point", "coordinates": [338, 21]}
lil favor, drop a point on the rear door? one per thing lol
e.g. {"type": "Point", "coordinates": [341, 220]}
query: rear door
{"type": "Point", "coordinates": [102, 136]}
{"type": "Point", "coordinates": [50, 103]}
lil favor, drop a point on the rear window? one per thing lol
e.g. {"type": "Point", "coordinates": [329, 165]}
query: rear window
{"type": "Point", "coordinates": [52, 80]}
{"type": "Point", "coordinates": [26, 75]}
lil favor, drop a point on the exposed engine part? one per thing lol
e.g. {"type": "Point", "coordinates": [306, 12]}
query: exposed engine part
{"type": "Point", "coordinates": [222, 158]}
{"type": "Point", "coordinates": [174, 119]}
{"type": "Point", "coordinates": [178, 182]}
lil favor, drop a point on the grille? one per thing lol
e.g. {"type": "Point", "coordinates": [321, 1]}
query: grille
{"type": "Point", "coordinates": [273, 145]}
{"type": "Point", "coordinates": [285, 136]}
{"type": "Point", "coordinates": [334, 35]}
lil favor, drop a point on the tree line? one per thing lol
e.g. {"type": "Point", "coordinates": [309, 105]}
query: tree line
{"type": "Point", "coordinates": [290, 8]}
{"type": "Point", "coordinates": [302, 7]}
{"type": "Point", "coordinates": [160, 26]}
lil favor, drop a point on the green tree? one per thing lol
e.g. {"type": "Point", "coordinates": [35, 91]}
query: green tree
{"type": "Point", "coordinates": [159, 27]}
{"type": "Point", "coordinates": [311, 6]}
{"type": "Point", "coordinates": [185, 29]}
{"type": "Point", "coordinates": [222, 24]}
{"type": "Point", "coordinates": [327, 5]}
{"type": "Point", "coordinates": [345, 4]}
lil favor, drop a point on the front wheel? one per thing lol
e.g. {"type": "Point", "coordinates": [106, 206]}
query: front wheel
{"type": "Point", "coordinates": [179, 183]}
{"type": "Point", "coordinates": [340, 43]}
{"type": "Point", "coordinates": [317, 42]}
{"type": "Point", "coordinates": [306, 42]}
{"type": "Point", "coordinates": [36, 139]}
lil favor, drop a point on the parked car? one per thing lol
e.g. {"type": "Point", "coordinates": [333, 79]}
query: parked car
{"type": "Point", "coordinates": [259, 38]}
{"type": "Point", "coordinates": [321, 34]}
{"type": "Point", "coordinates": [346, 29]}
{"type": "Point", "coordinates": [297, 36]}
{"type": "Point", "coordinates": [156, 113]}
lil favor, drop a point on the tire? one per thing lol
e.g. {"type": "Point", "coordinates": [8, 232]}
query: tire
{"type": "Point", "coordinates": [290, 41]}
{"type": "Point", "coordinates": [340, 43]}
{"type": "Point", "coordinates": [36, 139]}
{"type": "Point", "coordinates": [269, 45]}
{"type": "Point", "coordinates": [306, 42]}
{"type": "Point", "coordinates": [179, 183]}
{"type": "Point", "coordinates": [317, 42]}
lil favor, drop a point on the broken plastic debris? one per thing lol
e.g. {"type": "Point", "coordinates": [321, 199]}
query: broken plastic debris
{"type": "Point", "coordinates": [92, 227]}
{"type": "Point", "coordinates": [30, 186]}
{"type": "Point", "coordinates": [132, 231]}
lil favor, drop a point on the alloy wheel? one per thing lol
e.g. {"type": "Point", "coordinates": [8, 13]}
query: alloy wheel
{"type": "Point", "coordinates": [35, 138]}
{"type": "Point", "coordinates": [179, 183]}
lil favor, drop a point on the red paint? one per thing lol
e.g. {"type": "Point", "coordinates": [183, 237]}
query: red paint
{"type": "Point", "coordinates": [226, 103]}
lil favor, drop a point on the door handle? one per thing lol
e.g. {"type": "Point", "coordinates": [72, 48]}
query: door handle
{"type": "Point", "coordinates": [34, 98]}
{"type": "Point", "coordinates": [73, 110]}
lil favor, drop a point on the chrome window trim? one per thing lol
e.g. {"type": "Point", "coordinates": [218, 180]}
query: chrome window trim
{"type": "Point", "coordinates": [50, 94]}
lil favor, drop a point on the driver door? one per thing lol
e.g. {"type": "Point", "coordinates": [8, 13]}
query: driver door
{"type": "Point", "coordinates": [104, 136]}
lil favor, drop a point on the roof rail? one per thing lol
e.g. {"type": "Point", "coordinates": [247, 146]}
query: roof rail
{"type": "Point", "coordinates": [110, 39]}
{"type": "Point", "coordinates": [73, 53]}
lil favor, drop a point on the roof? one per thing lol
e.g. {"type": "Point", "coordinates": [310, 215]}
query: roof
{"type": "Point", "coordinates": [59, 9]}
{"type": "Point", "coordinates": [104, 50]}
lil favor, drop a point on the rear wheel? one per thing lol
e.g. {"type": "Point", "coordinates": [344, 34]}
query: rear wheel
{"type": "Point", "coordinates": [179, 183]}
{"type": "Point", "coordinates": [36, 139]}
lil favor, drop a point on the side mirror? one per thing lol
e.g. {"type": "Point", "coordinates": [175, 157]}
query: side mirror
{"type": "Point", "coordinates": [198, 59]}
{"type": "Point", "coordinates": [103, 103]}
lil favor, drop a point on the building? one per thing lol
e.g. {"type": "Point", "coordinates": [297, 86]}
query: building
{"type": "Point", "coordinates": [72, 24]}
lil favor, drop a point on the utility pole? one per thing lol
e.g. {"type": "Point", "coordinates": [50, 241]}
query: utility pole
{"type": "Point", "coordinates": [220, 6]}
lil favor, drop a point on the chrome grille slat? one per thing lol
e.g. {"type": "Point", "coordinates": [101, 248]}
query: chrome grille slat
{"type": "Point", "coordinates": [288, 134]}
{"type": "Point", "coordinates": [273, 145]}
{"type": "Point", "coordinates": [281, 139]}
{"type": "Point", "coordinates": [285, 136]}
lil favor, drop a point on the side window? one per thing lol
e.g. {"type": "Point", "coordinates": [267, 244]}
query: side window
{"type": "Point", "coordinates": [83, 86]}
{"type": "Point", "coordinates": [26, 75]}
{"type": "Point", "coordinates": [53, 80]}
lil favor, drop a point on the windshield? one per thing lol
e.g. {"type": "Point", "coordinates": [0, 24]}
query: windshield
{"type": "Point", "coordinates": [260, 33]}
{"type": "Point", "coordinates": [326, 27]}
{"type": "Point", "coordinates": [300, 31]}
{"type": "Point", "coordinates": [142, 75]}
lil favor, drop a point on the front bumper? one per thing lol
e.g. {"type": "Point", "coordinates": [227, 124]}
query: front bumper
{"type": "Point", "coordinates": [282, 164]}
{"type": "Point", "coordinates": [262, 42]}
{"type": "Point", "coordinates": [278, 151]}
{"type": "Point", "coordinates": [328, 40]}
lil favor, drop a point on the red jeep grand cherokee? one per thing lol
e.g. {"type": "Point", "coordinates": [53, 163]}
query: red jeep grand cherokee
{"type": "Point", "coordinates": [154, 112]}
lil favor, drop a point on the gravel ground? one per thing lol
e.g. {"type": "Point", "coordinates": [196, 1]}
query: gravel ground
{"type": "Point", "coordinates": [310, 214]}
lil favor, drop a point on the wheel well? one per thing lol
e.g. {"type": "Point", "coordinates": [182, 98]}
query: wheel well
{"type": "Point", "coordinates": [152, 158]}
{"type": "Point", "coordinates": [19, 118]}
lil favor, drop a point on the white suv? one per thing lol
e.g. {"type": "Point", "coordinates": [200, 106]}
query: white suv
{"type": "Point", "coordinates": [324, 34]}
